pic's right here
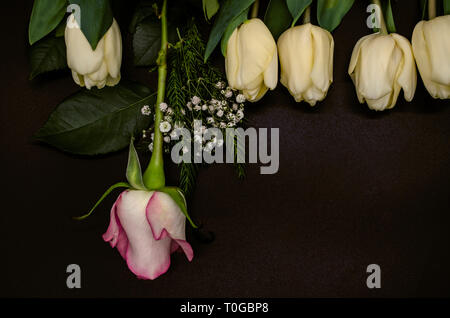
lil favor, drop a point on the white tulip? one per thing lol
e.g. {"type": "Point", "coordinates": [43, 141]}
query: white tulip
{"type": "Point", "coordinates": [306, 59]}
{"type": "Point", "coordinates": [251, 60]}
{"type": "Point", "coordinates": [431, 46]}
{"type": "Point", "coordinates": [380, 66]}
{"type": "Point", "coordinates": [97, 67]}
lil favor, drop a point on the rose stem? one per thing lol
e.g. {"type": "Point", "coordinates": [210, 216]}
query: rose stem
{"type": "Point", "coordinates": [154, 174]}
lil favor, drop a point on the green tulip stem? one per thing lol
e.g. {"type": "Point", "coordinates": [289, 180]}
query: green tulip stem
{"type": "Point", "coordinates": [307, 15]}
{"type": "Point", "coordinates": [383, 28]}
{"type": "Point", "coordinates": [154, 177]}
{"type": "Point", "coordinates": [431, 9]}
{"type": "Point", "coordinates": [255, 9]}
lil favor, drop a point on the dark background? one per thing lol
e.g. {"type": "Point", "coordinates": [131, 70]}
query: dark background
{"type": "Point", "coordinates": [354, 188]}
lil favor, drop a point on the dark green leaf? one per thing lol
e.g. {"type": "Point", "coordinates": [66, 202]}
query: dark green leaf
{"type": "Point", "coordinates": [107, 192]}
{"type": "Point", "coordinates": [277, 17]}
{"type": "Point", "coordinates": [228, 11]}
{"type": "Point", "coordinates": [296, 8]}
{"type": "Point", "coordinates": [147, 41]}
{"type": "Point", "coordinates": [45, 16]}
{"type": "Point", "coordinates": [331, 12]}
{"type": "Point", "coordinates": [96, 19]}
{"type": "Point", "coordinates": [60, 29]}
{"type": "Point", "coordinates": [210, 8]}
{"type": "Point", "coordinates": [237, 21]}
{"type": "Point", "coordinates": [49, 54]}
{"type": "Point", "coordinates": [446, 7]}
{"type": "Point", "coordinates": [98, 121]}
{"type": "Point", "coordinates": [389, 17]}
{"type": "Point", "coordinates": [177, 195]}
{"type": "Point", "coordinates": [143, 11]}
{"type": "Point", "coordinates": [134, 172]}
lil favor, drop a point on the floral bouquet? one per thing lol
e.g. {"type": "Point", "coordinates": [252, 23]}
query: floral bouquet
{"type": "Point", "coordinates": [188, 117]}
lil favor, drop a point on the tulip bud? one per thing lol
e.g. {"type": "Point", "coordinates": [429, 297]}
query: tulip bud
{"type": "Point", "coordinates": [306, 59]}
{"type": "Point", "coordinates": [431, 46]}
{"type": "Point", "coordinates": [97, 67]}
{"type": "Point", "coordinates": [251, 61]}
{"type": "Point", "coordinates": [146, 227]}
{"type": "Point", "coordinates": [380, 66]}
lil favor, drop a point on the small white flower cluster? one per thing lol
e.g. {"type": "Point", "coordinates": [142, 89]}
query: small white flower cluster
{"type": "Point", "coordinates": [146, 110]}
{"type": "Point", "coordinates": [226, 110]}
{"type": "Point", "coordinates": [167, 127]}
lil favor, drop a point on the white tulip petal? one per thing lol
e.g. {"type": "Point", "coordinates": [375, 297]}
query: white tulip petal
{"type": "Point", "coordinates": [232, 59]}
{"type": "Point", "coordinates": [77, 78]}
{"type": "Point", "coordinates": [381, 103]}
{"type": "Point", "coordinates": [113, 49]}
{"type": "Point", "coordinates": [408, 76]}
{"type": "Point", "coordinates": [256, 94]}
{"type": "Point", "coordinates": [314, 95]}
{"type": "Point", "coordinates": [356, 52]}
{"type": "Point", "coordinates": [425, 63]}
{"type": "Point", "coordinates": [112, 81]}
{"type": "Point", "coordinates": [320, 73]}
{"type": "Point", "coordinates": [80, 56]}
{"type": "Point", "coordinates": [436, 33]}
{"type": "Point", "coordinates": [100, 74]}
{"type": "Point", "coordinates": [256, 48]}
{"type": "Point", "coordinates": [379, 63]}
{"type": "Point", "coordinates": [271, 73]}
{"type": "Point", "coordinates": [296, 59]}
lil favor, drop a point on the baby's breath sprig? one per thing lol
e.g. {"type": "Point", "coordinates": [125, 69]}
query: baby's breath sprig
{"type": "Point", "coordinates": [196, 91]}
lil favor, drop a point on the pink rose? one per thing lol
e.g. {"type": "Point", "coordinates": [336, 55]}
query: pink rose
{"type": "Point", "coordinates": [146, 227]}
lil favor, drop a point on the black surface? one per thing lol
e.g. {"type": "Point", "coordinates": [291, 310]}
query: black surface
{"type": "Point", "coordinates": [354, 188]}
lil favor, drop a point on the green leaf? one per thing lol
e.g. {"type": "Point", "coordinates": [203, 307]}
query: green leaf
{"type": "Point", "coordinates": [147, 41]}
{"type": "Point", "coordinates": [134, 172]}
{"type": "Point", "coordinates": [110, 189]}
{"type": "Point", "coordinates": [48, 54]}
{"type": "Point", "coordinates": [331, 12]}
{"type": "Point", "coordinates": [446, 7]}
{"type": "Point", "coordinates": [177, 195]}
{"type": "Point", "coordinates": [237, 21]}
{"type": "Point", "coordinates": [388, 16]}
{"type": "Point", "coordinates": [143, 11]}
{"type": "Point", "coordinates": [45, 17]}
{"type": "Point", "coordinates": [277, 17]}
{"type": "Point", "coordinates": [229, 10]}
{"type": "Point", "coordinates": [210, 8]}
{"type": "Point", "coordinates": [98, 121]}
{"type": "Point", "coordinates": [296, 8]}
{"type": "Point", "coordinates": [60, 29]}
{"type": "Point", "coordinates": [96, 19]}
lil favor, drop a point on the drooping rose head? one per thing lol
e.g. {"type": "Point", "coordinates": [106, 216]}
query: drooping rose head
{"type": "Point", "coordinates": [431, 46]}
{"type": "Point", "coordinates": [380, 66]}
{"type": "Point", "coordinates": [146, 227]}
{"type": "Point", "coordinates": [251, 61]}
{"type": "Point", "coordinates": [97, 67]}
{"type": "Point", "coordinates": [306, 59]}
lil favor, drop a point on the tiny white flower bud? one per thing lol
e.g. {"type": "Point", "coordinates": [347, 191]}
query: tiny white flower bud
{"type": "Point", "coordinates": [163, 107]}
{"type": "Point", "coordinates": [146, 110]}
